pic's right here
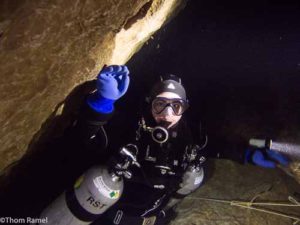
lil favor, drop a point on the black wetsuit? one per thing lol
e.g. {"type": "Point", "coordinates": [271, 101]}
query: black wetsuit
{"type": "Point", "coordinates": [162, 165]}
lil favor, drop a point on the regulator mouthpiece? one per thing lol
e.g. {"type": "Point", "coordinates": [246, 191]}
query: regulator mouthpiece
{"type": "Point", "coordinates": [159, 134]}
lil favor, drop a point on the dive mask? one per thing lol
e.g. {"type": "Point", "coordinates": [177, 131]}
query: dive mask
{"type": "Point", "coordinates": [178, 105]}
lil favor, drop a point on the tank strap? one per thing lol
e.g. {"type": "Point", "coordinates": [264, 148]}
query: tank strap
{"type": "Point", "coordinates": [76, 209]}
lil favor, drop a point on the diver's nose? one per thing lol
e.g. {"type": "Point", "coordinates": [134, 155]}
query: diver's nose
{"type": "Point", "coordinates": [168, 111]}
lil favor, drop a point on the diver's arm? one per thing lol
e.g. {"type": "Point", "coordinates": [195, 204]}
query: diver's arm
{"type": "Point", "coordinates": [98, 107]}
{"type": "Point", "coordinates": [89, 122]}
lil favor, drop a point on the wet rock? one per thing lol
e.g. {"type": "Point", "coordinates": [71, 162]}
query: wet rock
{"type": "Point", "coordinates": [230, 181]}
{"type": "Point", "coordinates": [49, 47]}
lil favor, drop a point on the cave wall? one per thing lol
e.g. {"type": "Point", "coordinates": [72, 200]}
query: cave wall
{"type": "Point", "coordinates": [49, 47]}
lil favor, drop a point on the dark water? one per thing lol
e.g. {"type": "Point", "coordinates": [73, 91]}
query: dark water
{"type": "Point", "coordinates": [240, 64]}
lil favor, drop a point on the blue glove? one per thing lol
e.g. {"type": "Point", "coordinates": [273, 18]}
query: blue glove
{"type": "Point", "coordinates": [267, 159]}
{"type": "Point", "coordinates": [112, 84]}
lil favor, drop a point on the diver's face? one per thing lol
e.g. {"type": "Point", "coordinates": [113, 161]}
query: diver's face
{"type": "Point", "coordinates": [166, 115]}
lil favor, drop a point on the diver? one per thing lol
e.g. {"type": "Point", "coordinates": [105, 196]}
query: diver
{"type": "Point", "coordinates": [171, 160]}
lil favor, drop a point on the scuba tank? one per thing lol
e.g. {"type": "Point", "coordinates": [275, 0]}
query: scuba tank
{"type": "Point", "coordinates": [192, 177]}
{"type": "Point", "coordinates": [194, 174]}
{"type": "Point", "coordinates": [93, 193]}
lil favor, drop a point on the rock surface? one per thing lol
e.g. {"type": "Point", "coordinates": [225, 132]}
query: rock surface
{"type": "Point", "coordinates": [49, 47]}
{"type": "Point", "coordinates": [239, 183]}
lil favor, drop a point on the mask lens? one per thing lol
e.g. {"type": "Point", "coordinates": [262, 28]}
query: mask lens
{"type": "Point", "coordinates": [159, 105]}
{"type": "Point", "coordinates": [178, 105]}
